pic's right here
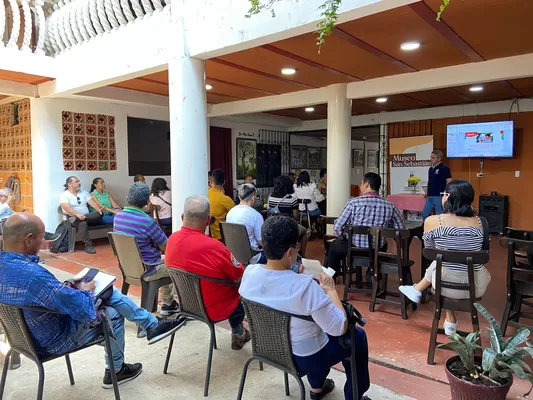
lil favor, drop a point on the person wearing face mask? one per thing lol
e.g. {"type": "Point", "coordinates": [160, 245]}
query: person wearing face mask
{"type": "Point", "coordinates": [315, 345]}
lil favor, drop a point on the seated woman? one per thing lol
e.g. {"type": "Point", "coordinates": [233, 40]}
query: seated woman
{"type": "Point", "coordinates": [315, 345]}
{"type": "Point", "coordinates": [308, 191]}
{"type": "Point", "coordinates": [460, 229]}
{"type": "Point", "coordinates": [161, 196]}
{"type": "Point", "coordinates": [105, 200]}
{"type": "Point", "coordinates": [284, 201]}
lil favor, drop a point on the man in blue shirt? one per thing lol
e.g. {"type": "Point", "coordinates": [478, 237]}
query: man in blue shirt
{"type": "Point", "coordinates": [439, 176]}
{"type": "Point", "coordinates": [25, 283]}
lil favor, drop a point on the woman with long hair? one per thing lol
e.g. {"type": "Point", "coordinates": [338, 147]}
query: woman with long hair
{"type": "Point", "coordinates": [161, 195]}
{"type": "Point", "coordinates": [305, 189]}
{"type": "Point", "coordinates": [105, 200]}
{"type": "Point", "coordinates": [459, 229]}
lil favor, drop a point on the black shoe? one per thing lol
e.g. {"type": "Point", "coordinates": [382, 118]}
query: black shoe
{"type": "Point", "coordinates": [164, 328]}
{"type": "Point", "coordinates": [89, 248]}
{"type": "Point", "coordinates": [169, 310]}
{"type": "Point", "coordinates": [329, 385]}
{"type": "Point", "coordinates": [127, 373]}
{"type": "Point", "coordinates": [51, 237]}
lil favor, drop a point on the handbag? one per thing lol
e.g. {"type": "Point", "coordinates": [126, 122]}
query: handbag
{"type": "Point", "coordinates": [275, 209]}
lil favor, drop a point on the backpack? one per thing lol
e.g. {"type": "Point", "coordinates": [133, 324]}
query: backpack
{"type": "Point", "coordinates": [61, 244]}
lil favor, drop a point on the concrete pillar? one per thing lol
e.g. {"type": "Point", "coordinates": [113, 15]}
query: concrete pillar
{"type": "Point", "coordinates": [188, 128]}
{"type": "Point", "coordinates": [339, 148]}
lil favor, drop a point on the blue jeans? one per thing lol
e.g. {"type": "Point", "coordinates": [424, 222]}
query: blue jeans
{"type": "Point", "coordinates": [165, 221]}
{"type": "Point", "coordinates": [236, 318]}
{"type": "Point", "coordinates": [107, 219]}
{"type": "Point", "coordinates": [432, 203]}
{"type": "Point", "coordinates": [118, 307]}
{"type": "Point", "coordinates": [317, 366]}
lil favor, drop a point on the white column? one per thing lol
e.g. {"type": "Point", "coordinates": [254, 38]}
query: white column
{"type": "Point", "coordinates": [339, 148]}
{"type": "Point", "coordinates": [188, 124]}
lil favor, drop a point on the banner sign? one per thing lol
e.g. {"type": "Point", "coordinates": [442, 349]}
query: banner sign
{"type": "Point", "coordinates": [409, 163]}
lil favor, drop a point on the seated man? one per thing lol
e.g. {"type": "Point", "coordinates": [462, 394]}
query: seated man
{"type": "Point", "coordinates": [150, 238]}
{"type": "Point", "coordinates": [6, 197]}
{"type": "Point", "coordinates": [190, 249]}
{"type": "Point", "coordinates": [74, 202]}
{"type": "Point", "coordinates": [220, 203]}
{"type": "Point", "coordinates": [25, 283]}
{"type": "Point", "coordinates": [366, 210]}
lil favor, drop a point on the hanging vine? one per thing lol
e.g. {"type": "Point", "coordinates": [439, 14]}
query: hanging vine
{"type": "Point", "coordinates": [329, 15]}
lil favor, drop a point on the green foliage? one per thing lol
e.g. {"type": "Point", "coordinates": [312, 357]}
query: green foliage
{"type": "Point", "coordinates": [501, 360]}
{"type": "Point", "coordinates": [445, 3]}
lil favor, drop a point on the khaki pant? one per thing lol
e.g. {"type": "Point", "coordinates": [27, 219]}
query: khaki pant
{"type": "Point", "coordinates": [481, 278]}
{"type": "Point", "coordinates": [166, 291]}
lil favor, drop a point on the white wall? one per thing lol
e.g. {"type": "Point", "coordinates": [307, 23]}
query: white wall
{"type": "Point", "coordinates": [48, 173]}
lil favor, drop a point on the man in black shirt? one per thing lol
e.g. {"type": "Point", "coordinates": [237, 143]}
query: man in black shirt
{"type": "Point", "coordinates": [439, 176]}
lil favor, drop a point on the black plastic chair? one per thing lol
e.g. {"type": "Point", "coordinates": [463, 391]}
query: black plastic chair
{"type": "Point", "coordinates": [235, 238]}
{"type": "Point", "coordinates": [192, 306]}
{"type": "Point", "coordinates": [445, 303]}
{"type": "Point", "coordinates": [356, 261]}
{"type": "Point", "coordinates": [21, 341]}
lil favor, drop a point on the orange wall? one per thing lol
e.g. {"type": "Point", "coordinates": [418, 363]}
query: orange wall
{"type": "Point", "coordinates": [499, 174]}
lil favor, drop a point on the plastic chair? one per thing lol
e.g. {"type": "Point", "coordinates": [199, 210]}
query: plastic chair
{"type": "Point", "coordinates": [445, 303]}
{"type": "Point", "coordinates": [192, 306]}
{"type": "Point", "coordinates": [21, 341]}
{"type": "Point", "coordinates": [235, 238]}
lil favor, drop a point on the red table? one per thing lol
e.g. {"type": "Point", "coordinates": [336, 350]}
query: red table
{"type": "Point", "coordinates": [407, 202]}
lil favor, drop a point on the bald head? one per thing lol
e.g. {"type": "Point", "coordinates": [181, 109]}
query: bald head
{"type": "Point", "coordinates": [196, 212]}
{"type": "Point", "coordinates": [23, 233]}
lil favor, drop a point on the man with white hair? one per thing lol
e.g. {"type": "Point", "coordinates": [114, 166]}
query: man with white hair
{"type": "Point", "coordinates": [190, 249]}
{"type": "Point", "coordinates": [6, 197]}
{"type": "Point", "coordinates": [245, 214]}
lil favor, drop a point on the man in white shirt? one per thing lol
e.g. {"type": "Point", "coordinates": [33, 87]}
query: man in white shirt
{"type": "Point", "coordinates": [245, 214]}
{"type": "Point", "coordinates": [74, 203]}
{"type": "Point", "coordinates": [6, 197]}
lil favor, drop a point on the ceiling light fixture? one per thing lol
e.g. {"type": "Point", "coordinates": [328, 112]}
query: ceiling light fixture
{"type": "Point", "coordinates": [288, 71]}
{"type": "Point", "coordinates": [476, 88]}
{"type": "Point", "coordinates": [381, 100]}
{"type": "Point", "coordinates": [309, 109]}
{"type": "Point", "coordinates": [208, 87]}
{"type": "Point", "coordinates": [409, 46]}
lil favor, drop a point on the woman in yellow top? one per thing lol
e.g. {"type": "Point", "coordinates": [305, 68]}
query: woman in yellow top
{"type": "Point", "coordinates": [220, 203]}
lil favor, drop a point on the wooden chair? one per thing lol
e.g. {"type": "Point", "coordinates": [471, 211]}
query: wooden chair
{"type": "Point", "coordinates": [155, 210]}
{"type": "Point", "coordinates": [192, 306]}
{"type": "Point", "coordinates": [327, 239]}
{"type": "Point", "coordinates": [444, 303]}
{"type": "Point", "coordinates": [356, 261]}
{"type": "Point", "coordinates": [235, 238]}
{"type": "Point", "coordinates": [20, 341]}
{"type": "Point", "coordinates": [519, 283]}
{"type": "Point", "coordinates": [386, 264]}
{"type": "Point", "coordinates": [521, 235]}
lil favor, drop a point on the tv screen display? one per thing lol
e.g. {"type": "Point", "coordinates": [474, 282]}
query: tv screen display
{"type": "Point", "coordinates": [484, 140]}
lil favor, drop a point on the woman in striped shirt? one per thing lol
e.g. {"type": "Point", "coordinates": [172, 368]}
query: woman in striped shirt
{"type": "Point", "coordinates": [457, 229]}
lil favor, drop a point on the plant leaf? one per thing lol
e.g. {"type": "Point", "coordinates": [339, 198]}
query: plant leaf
{"type": "Point", "coordinates": [522, 364]}
{"type": "Point", "coordinates": [495, 334]}
{"type": "Point", "coordinates": [519, 372]}
{"type": "Point", "coordinates": [518, 338]}
{"type": "Point", "coordinates": [489, 357]}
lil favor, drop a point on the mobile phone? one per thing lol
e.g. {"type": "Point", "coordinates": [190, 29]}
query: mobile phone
{"type": "Point", "coordinates": [89, 276]}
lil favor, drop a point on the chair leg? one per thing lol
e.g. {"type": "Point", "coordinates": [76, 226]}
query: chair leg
{"type": "Point", "coordinates": [4, 373]}
{"type": "Point", "coordinates": [209, 361]}
{"type": "Point", "coordinates": [125, 288]}
{"type": "Point", "coordinates": [40, 388]}
{"type": "Point", "coordinates": [505, 318]}
{"type": "Point", "coordinates": [69, 369]}
{"type": "Point", "coordinates": [110, 358]}
{"type": "Point", "coordinates": [302, 387]}
{"type": "Point", "coordinates": [347, 281]}
{"type": "Point", "coordinates": [261, 367]}
{"type": "Point", "coordinates": [286, 379]}
{"type": "Point", "coordinates": [433, 339]}
{"type": "Point", "coordinates": [243, 376]}
{"type": "Point", "coordinates": [169, 352]}
{"type": "Point", "coordinates": [375, 290]}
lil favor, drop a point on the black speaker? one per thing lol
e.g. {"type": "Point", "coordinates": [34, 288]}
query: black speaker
{"type": "Point", "coordinates": [496, 210]}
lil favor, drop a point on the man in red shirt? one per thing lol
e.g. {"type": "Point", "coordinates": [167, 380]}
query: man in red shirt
{"type": "Point", "coordinates": [190, 249]}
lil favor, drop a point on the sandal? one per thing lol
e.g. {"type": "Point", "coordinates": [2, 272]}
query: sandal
{"type": "Point", "coordinates": [328, 387]}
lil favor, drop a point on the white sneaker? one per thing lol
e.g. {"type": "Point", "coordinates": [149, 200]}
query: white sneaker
{"type": "Point", "coordinates": [411, 293]}
{"type": "Point", "coordinates": [450, 328]}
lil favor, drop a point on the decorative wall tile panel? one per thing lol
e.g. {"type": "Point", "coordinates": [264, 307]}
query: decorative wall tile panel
{"type": "Point", "coordinates": [88, 142]}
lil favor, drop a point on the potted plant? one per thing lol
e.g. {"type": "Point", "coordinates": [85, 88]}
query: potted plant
{"type": "Point", "coordinates": [488, 377]}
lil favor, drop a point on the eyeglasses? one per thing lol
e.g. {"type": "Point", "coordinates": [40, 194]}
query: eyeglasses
{"type": "Point", "coordinates": [79, 200]}
{"type": "Point", "coordinates": [442, 194]}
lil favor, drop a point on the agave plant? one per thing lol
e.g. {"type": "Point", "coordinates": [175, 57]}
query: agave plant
{"type": "Point", "coordinates": [501, 360]}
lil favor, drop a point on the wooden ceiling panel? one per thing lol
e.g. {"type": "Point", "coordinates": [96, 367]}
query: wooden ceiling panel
{"type": "Point", "coordinates": [263, 60]}
{"type": "Point", "coordinates": [439, 97]}
{"type": "Point", "coordinates": [216, 98]}
{"type": "Point", "coordinates": [366, 107]}
{"type": "Point", "coordinates": [240, 92]}
{"type": "Point", "coordinates": [143, 85]}
{"type": "Point", "coordinates": [492, 91]}
{"type": "Point", "coordinates": [524, 86]}
{"type": "Point", "coordinates": [339, 54]}
{"type": "Point", "coordinates": [386, 31]}
{"type": "Point", "coordinates": [401, 102]}
{"type": "Point", "coordinates": [494, 28]}
{"type": "Point", "coordinates": [298, 113]}
{"type": "Point", "coordinates": [233, 75]}
{"type": "Point", "coordinates": [3, 97]}
{"type": "Point", "coordinates": [22, 78]}
{"type": "Point", "coordinates": [158, 76]}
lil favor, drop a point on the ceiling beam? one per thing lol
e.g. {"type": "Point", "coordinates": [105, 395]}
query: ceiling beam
{"type": "Point", "coordinates": [14, 60]}
{"type": "Point", "coordinates": [11, 88]}
{"type": "Point", "coordinates": [311, 63]}
{"type": "Point", "coordinates": [9, 99]}
{"type": "Point", "coordinates": [427, 14]}
{"type": "Point", "coordinates": [115, 95]}
{"type": "Point", "coordinates": [261, 73]}
{"type": "Point", "coordinates": [371, 49]}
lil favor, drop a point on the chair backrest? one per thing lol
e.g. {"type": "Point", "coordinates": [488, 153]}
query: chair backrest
{"type": "Point", "coordinates": [324, 222]}
{"type": "Point", "coordinates": [235, 238]}
{"type": "Point", "coordinates": [400, 237]}
{"type": "Point", "coordinates": [127, 251]}
{"type": "Point", "coordinates": [510, 233]}
{"type": "Point", "coordinates": [270, 330]}
{"type": "Point", "coordinates": [519, 274]}
{"type": "Point", "coordinates": [518, 234]}
{"type": "Point", "coordinates": [62, 213]}
{"type": "Point", "coordinates": [155, 212]}
{"type": "Point", "coordinates": [189, 293]}
{"type": "Point", "coordinates": [16, 331]}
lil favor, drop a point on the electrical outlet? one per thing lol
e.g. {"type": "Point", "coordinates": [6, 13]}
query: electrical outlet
{"type": "Point", "coordinates": [517, 174]}
{"type": "Point", "coordinates": [480, 174]}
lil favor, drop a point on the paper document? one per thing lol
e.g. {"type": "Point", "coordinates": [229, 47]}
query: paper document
{"type": "Point", "coordinates": [101, 281]}
{"type": "Point", "coordinates": [313, 267]}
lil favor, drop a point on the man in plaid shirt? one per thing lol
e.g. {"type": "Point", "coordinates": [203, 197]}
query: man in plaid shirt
{"type": "Point", "coordinates": [366, 210]}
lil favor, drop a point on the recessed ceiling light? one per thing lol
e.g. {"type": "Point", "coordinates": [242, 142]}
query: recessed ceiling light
{"type": "Point", "coordinates": [309, 109]}
{"type": "Point", "coordinates": [381, 100]}
{"type": "Point", "coordinates": [288, 71]}
{"type": "Point", "coordinates": [408, 46]}
{"type": "Point", "coordinates": [208, 87]}
{"type": "Point", "coordinates": [476, 88]}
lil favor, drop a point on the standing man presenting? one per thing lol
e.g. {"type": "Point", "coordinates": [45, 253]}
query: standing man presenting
{"type": "Point", "coordinates": [438, 176]}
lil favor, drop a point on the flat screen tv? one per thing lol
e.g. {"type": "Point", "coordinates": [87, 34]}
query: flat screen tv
{"type": "Point", "coordinates": [480, 140]}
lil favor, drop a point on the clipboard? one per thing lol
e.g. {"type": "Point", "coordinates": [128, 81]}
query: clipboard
{"type": "Point", "coordinates": [102, 281]}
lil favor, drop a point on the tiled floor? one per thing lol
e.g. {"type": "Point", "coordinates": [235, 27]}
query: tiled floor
{"type": "Point", "coordinates": [398, 348]}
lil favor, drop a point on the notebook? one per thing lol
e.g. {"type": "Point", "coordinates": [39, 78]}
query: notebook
{"type": "Point", "coordinates": [102, 281]}
{"type": "Point", "coordinates": [313, 267]}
